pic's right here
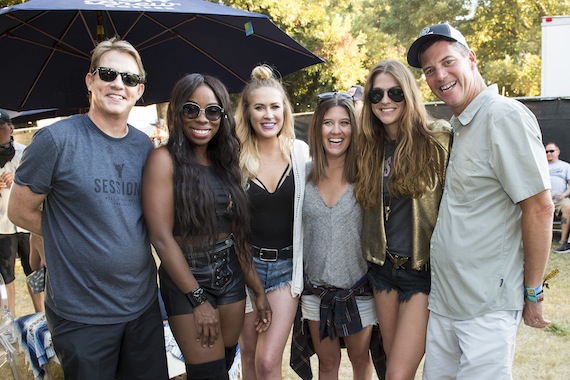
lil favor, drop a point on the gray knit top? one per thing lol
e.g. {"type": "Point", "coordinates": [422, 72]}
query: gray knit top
{"type": "Point", "coordinates": [331, 243]}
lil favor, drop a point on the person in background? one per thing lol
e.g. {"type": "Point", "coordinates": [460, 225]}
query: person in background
{"type": "Point", "coordinates": [272, 163]}
{"type": "Point", "coordinates": [336, 284]}
{"type": "Point", "coordinates": [14, 241]}
{"type": "Point", "coordinates": [560, 191]}
{"type": "Point", "coordinates": [198, 219]}
{"type": "Point", "coordinates": [357, 93]}
{"type": "Point", "coordinates": [493, 235]}
{"type": "Point", "coordinates": [101, 299]}
{"type": "Point", "coordinates": [402, 162]}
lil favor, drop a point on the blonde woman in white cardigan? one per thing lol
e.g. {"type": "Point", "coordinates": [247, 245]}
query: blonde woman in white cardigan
{"type": "Point", "coordinates": [272, 163]}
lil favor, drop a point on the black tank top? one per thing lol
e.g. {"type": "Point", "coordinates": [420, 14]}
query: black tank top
{"type": "Point", "coordinates": [272, 213]}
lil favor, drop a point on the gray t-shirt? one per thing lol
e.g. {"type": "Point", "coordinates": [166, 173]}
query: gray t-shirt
{"type": "Point", "coordinates": [331, 242]}
{"type": "Point", "coordinates": [100, 269]}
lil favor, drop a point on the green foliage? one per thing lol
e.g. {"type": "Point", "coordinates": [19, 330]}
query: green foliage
{"type": "Point", "coordinates": [353, 35]}
{"type": "Point", "coordinates": [506, 35]}
{"type": "Point", "coordinates": [5, 3]}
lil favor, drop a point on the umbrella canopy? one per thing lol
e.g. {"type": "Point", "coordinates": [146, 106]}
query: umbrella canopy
{"type": "Point", "coordinates": [46, 46]}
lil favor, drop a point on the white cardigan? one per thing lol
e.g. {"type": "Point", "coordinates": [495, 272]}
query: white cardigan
{"type": "Point", "coordinates": [299, 157]}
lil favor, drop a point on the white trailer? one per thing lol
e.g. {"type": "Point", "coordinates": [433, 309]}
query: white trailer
{"type": "Point", "coordinates": [555, 56]}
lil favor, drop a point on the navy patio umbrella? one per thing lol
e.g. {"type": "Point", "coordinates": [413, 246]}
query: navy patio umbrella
{"type": "Point", "coordinates": [46, 45]}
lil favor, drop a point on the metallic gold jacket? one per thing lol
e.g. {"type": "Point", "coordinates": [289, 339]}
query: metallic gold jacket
{"type": "Point", "coordinates": [424, 215]}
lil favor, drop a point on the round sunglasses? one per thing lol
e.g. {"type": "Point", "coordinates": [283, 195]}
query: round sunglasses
{"type": "Point", "coordinates": [191, 110]}
{"type": "Point", "coordinates": [377, 94]}
{"type": "Point", "coordinates": [108, 75]}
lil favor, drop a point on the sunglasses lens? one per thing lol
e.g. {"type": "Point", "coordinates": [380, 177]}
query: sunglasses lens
{"type": "Point", "coordinates": [190, 110]}
{"type": "Point", "coordinates": [375, 95]}
{"type": "Point", "coordinates": [396, 94]}
{"type": "Point", "coordinates": [213, 113]}
{"type": "Point", "coordinates": [130, 79]}
{"type": "Point", "coordinates": [107, 75]}
{"type": "Point", "coordinates": [326, 95]}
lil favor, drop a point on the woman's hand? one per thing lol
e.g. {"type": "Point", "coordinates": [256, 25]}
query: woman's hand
{"type": "Point", "coordinates": [207, 324]}
{"type": "Point", "coordinates": [264, 313]}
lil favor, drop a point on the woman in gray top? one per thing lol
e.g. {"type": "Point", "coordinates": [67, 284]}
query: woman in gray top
{"type": "Point", "coordinates": [337, 300]}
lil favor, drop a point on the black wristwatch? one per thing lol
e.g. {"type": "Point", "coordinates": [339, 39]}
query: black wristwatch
{"type": "Point", "coordinates": [196, 297]}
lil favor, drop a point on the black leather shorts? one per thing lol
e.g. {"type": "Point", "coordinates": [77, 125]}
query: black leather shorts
{"type": "Point", "coordinates": [216, 269]}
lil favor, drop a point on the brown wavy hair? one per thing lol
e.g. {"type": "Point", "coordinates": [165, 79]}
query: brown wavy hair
{"type": "Point", "coordinates": [414, 170]}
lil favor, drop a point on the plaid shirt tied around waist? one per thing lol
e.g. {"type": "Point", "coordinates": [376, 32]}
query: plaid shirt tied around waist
{"type": "Point", "coordinates": [339, 317]}
{"type": "Point", "coordinates": [339, 314]}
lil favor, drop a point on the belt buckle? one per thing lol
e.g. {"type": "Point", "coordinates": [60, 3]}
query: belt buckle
{"type": "Point", "coordinates": [398, 262]}
{"type": "Point", "coordinates": [268, 254]}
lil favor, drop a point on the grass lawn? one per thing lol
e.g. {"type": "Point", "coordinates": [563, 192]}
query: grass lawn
{"type": "Point", "coordinates": [541, 354]}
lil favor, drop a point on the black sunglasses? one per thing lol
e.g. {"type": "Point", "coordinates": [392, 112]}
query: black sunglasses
{"type": "Point", "coordinates": [377, 94]}
{"type": "Point", "coordinates": [108, 75]}
{"type": "Point", "coordinates": [192, 110]}
{"type": "Point", "coordinates": [551, 151]}
{"type": "Point", "coordinates": [328, 95]}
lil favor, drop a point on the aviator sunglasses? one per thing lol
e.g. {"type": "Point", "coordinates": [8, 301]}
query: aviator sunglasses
{"type": "Point", "coordinates": [328, 95]}
{"type": "Point", "coordinates": [108, 75]}
{"type": "Point", "coordinates": [192, 110]}
{"type": "Point", "coordinates": [377, 94]}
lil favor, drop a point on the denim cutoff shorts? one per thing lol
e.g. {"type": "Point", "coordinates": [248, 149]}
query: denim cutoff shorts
{"type": "Point", "coordinates": [274, 274]}
{"type": "Point", "coordinates": [216, 269]}
{"type": "Point", "coordinates": [406, 282]}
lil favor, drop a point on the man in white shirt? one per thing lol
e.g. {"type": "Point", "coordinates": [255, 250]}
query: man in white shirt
{"type": "Point", "coordinates": [14, 241]}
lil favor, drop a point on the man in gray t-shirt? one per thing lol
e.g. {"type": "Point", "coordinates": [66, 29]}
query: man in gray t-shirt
{"type": "Point", "coordinates": [101, 291]}
{"type": "Point", "coordinates": [560, 190]}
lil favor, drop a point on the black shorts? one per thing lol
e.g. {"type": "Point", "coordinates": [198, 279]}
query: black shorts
{"type": "Point", "coordinates": [7, 258]}
{"type": "Point", "coordinates": [217, 271]}
{"type": "Point", "coordinates": [406, 282]}
{"type": "Point", "coordinates": [12, 246]}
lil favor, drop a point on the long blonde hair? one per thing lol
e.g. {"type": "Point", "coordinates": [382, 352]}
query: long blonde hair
{"type": "Point", "coordinates": [249, 160]}
{"type": "Point", "coordinates": [414, 170]}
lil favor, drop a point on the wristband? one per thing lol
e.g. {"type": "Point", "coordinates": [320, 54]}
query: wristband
{"type": "Point", "coordinates": [196, 297]}
{"type": "Point", "coordinates": [534, 294]}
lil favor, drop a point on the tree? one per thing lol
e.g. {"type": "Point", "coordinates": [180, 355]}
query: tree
{"type": "Point", "coordinates": [6, 3]}
{"type": "Point", "coordinates": [326, 28]}
{"type": "Point", "coordinates": [506, 35]}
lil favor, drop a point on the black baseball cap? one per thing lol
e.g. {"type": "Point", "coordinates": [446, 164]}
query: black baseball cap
{"type": "Point", "coordinates": [4, 117]}
{"type": "Point", "coordinates": [433, 33]}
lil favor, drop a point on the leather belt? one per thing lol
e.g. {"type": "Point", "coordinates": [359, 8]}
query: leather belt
{"type": "Point", "coordinates": [398, 261]}
{"type": "Point", "coordinates": [404, 262]}
{"type": "Point", "coordinates": [272, 254]}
